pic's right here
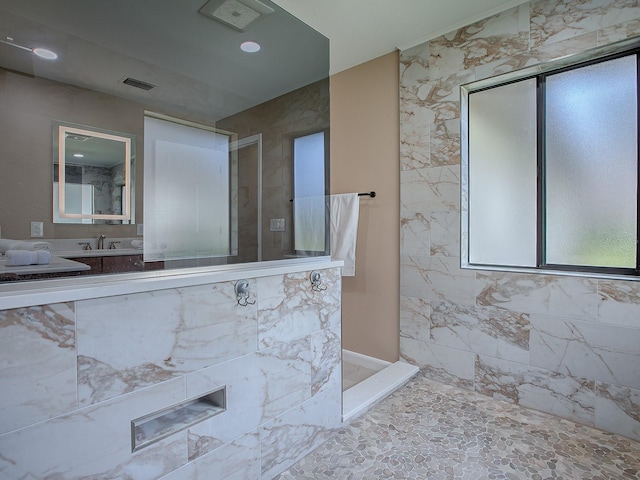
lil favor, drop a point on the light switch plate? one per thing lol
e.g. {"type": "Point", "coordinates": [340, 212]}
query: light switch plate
{"type": "Point", "coordinates": [37, 229]}
{"type": "Point", "coordinates": [276, 225]}
{"type": "Point", "coordinates": [139, 229]}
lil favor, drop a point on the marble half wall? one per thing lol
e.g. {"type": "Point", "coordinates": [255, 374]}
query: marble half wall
{"type": "Point", "coordinates": [565, 345]}
{"type": "Point", "coordinates": [76, 374]}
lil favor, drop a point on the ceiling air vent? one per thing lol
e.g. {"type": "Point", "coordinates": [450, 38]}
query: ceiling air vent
{"type": "Point", "coordinates": [132, 82]}
{"type": "Point", "coordinates": [237, 14]}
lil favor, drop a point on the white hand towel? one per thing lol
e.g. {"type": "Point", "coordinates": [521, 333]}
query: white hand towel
{"type": "Point", "coordinates": [345, 209]}
{"type": "Point", "coordinates": [17, 258]}
{"type": "Point", "coordinates": [8, 244]}
{"type": "Point", "coordinates": [137, 244]}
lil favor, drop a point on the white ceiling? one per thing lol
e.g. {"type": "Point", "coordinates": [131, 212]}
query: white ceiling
{"type": "Point", "coordinates": [361, 30]}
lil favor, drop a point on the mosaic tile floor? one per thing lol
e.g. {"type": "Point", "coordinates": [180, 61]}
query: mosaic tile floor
{"type": "Point", "coordinates": [427, 430]}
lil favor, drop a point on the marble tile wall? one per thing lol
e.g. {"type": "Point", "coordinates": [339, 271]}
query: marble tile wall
{"type": "Point", "coordinates": [75, 374]}
{"type": "Point", "coordinates": [565, 345]}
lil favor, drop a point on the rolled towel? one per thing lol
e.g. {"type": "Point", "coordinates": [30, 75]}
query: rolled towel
{"type": "Point", "coordinates": [17, 258]}
{"type": "Point", "coordinates": [137, 244]}
{"type": "Point", "coordinates": [8, 244]}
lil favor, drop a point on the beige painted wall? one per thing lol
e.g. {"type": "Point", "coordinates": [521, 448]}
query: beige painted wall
{"type": "Point", "coordinates": [365, 156]}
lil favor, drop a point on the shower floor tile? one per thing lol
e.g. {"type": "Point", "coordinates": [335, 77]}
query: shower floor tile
{"type": "Point", "coordinates": [427, 430]}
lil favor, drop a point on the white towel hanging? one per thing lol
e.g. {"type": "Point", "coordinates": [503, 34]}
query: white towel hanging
{"type": "Point", "coordinates": [345, 209]}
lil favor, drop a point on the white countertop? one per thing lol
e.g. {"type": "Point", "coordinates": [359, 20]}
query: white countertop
{"type": "Point", "coordinates": [104, 252]}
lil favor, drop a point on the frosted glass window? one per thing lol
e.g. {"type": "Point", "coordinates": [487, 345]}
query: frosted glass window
{"type": "Point", "coordinates": [309, 186]}
{"type": "Point", "coordinates": [186, 191]}
{"type": "Point", "coordinates": [591, 165]}
{"type": "Point", "coordinates": [502, 175]}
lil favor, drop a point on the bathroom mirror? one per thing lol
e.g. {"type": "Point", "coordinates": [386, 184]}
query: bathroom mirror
{"type": "Point", "coordinates": [92, 175]}
{"type": "Point", "coordinates": [115, 62]}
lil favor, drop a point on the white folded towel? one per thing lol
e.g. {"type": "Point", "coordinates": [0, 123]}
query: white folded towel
{"type": "Point", "coordinates": [345, 209]}
{"type": "Point", "coordinates": [27, 257]}
{"type": "Point", "coordinates": [137, 244]}
{"type": "Point", "coordinates": [8, 244]}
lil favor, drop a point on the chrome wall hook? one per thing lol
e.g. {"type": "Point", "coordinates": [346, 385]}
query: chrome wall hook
{"type": "Point", "coordinates": [242, 293]}
{"type": "Point", "coordinates": [316, 281]}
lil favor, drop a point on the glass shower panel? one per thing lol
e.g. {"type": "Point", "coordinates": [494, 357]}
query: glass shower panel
{"type": "Point", "coordinates": [591, 146]}
{"type": "Point", "coordinates": [502, 175]}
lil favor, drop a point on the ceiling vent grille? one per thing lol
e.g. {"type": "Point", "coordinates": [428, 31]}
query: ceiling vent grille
{"type": "Point", "coordinates": [237, 14]}
{"type": "Point", "coordinates": [132, 82]}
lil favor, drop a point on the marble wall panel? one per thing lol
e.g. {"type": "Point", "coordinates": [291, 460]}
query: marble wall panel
{"type": "Point", "coordinates": [445, 143]}
{"type": "Point", "coordinates": [292, 435]}
{"type": "Point", "coordinates": [618, 409]}
{"type": "Point", "coordinates": [326, 358]}
{"type": "Point", "coordinates": [289, 308]}
{"type": "Point", "coordinates": [445, 234]}
{"type": "Point", "coordinates": [619, 303]}
{"type": "Point", "coordinates": [95, 442]}
{"type": "Point", "coordinates": [438, 362]}
{"type": "Point", "coordinates": [574, 297]}
{"type": "Point", "coordinates": [415, 318]}
{"type": "Point", "coordinates": [37, 364]}
{"type": "Point", "coordinates": [566, 396]}
{"type": "Point", "coordinates": [621, 31]}
{"type": "Point", "coordinates": [605, 353]}
{"type": "Point", "coordinates": [481, 42]}
{"type": "Point", "coordinates": [237, 460]}
{"type": "Point", "coordinates": [427, 189]}
{"type": "Point", "coordinates": [116, 354]}
{"type": "Point", "coordinates": [495, 332]}
{"type": "Point", "coordinates": [557, 20]}
{"type": "Point", "coordinates": [415, 234]}
{"type": "Point", "coordinates": [437, 278]}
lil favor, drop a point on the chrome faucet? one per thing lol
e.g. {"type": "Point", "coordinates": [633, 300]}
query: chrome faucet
{"type": "Point", "coordinates": [101, 241]}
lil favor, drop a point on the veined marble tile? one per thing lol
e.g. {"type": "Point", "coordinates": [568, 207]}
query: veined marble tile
{"type": "Point", "coordinates": [437, 278]}
{"type": "Point", "coordinates": [574, 297]}
{"type": "Point", "coordinates": [444, 364]}
{"type": "Point", "coordinates": [566, 396]}
{"type": "Point", "coordinates": [619, 303]}
{"type": "Point", "coordinates": [445, 234]}
{"type": "Point", "coordinates": [619, 32]}
{"type": "Point", "coordinates": [245, 382]}
{"type": "Point", "coordinates": [414, 66]}
{"type": "Point", "coordinates": [95, 442]}
{"type": "Point", "coordinates": [427, 189]}
{"type": "Point", "coordinates": [499, 36]}
{"type": "Point", "coordinates": [326, 358]}
{"type": "Point", "coordinates": [415, 137]}
{"type": "Point", "coordinates": [443, 95]}
{"type": "Point", "coordinates": [618, 410]}
{"type": "Point", "coordinates": [544, 53]}
{"type": "Point", "coordinates": [287, 368]}
{"type": "Point", "coordinates": [415, 318]}
{"type": "Point", "coordinates": [289, 437]}
{"type": "Point", "coordinates": [557, 20]}
{"type": "Point", "coordinates": [37, 364]}
{"type": "Point", "coordinates": [445, 143]}
{"type": "Point", "coordinates": [237, 460]}
{"type": "Point", "coordinates": [142, 339]}
{"type": "Point", "coordinates": [415, 234]}
{"type": "Point", "coordinates": [290, 309]}
{"type": "Point", "coordinates": [606, 353]}
{"type": "Point", "coordinates": [489, 331]}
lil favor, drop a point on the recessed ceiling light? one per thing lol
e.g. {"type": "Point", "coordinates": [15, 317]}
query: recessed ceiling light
{"type": "Point", "coordinates": [44, 53]}
{"type": "Point", "coordinates": [249, 47]}
{"type": "Point", "coordinates": [78, 155]}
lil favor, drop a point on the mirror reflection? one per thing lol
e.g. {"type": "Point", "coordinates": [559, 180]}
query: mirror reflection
{"type": "Point", "coordinates": [117, 62]}
{"type": "Point", "coordinates": [92, 176]}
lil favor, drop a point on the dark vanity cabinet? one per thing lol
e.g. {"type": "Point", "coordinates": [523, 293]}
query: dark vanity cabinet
{"type": "Point", "coordinates": [118, 264]}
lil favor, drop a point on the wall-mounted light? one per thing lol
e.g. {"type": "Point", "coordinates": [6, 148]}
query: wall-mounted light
{"type": "Point", "coordinates": [38, 51]}
{"type": "Point", "coordinates": [249, 47]}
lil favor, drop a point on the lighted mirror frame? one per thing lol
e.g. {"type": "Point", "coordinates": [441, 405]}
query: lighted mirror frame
{"type": "Point", "coordinates": [63, 130]}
